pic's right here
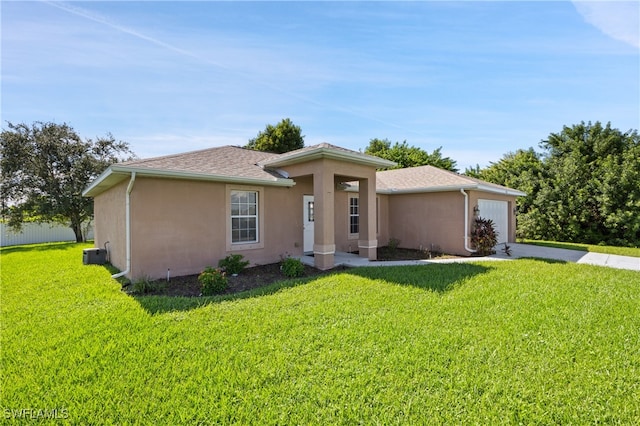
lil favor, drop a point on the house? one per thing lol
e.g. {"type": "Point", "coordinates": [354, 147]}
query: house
{"type": "Point", "coordinates": [180, 213]}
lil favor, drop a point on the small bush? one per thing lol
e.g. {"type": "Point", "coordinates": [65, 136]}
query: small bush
{"type": "Point", "coordinates": [146, 285]}
{"type": "Point", "coordinates": [484, 236]}
{"type": "Point", "coordinates": [393, 244]}
{"type": "Point", "coordinates": [292, 267]}
{"type": "Point", "coordinates": [233, 264]}
{"type": "Point", "coordinates": [213, 281]}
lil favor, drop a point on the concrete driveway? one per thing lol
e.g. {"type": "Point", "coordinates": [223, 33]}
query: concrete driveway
{"type": "Point", "coordinates": [600, 259]}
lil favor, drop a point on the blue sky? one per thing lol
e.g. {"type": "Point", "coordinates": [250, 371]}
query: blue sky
{"type": "Point", "coordinates": [479, 79]}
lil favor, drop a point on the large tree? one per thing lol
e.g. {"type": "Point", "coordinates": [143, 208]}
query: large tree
{"type": "Point", "coordinates": [283, 137]}
{"type": "Point", "coordinates": [45, 168]}
{"type": "Point", "coordinates": [409, 156]}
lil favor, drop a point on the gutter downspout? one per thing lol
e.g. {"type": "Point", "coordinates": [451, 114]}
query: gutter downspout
{"type": "Point", "coordinates": [466, 222]}
{"type": "Point", "coordinates": [127, 225]}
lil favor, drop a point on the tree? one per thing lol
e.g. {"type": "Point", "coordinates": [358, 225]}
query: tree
{"type": "Point", "coordinates": [409, 156]}
{"type": "Point", "coordinates": [283, 137]}
{"type": "Point", "coordinates": [45, 168]}
{"type": "Point", "coordinates": [583, 188]}
{"type": "Point", "coordinates": [590, 191]}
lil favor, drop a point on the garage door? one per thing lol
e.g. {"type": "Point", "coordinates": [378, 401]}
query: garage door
{"type": "Point", "coordinates": [498, 212]}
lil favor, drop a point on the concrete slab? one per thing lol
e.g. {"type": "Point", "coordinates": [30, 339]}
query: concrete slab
{"type": "Point", "coordinates": [518, 251]}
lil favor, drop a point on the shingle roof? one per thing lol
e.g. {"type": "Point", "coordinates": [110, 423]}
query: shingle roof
{"type": "Point", "coordinates": [325, 150]}
{"type": "Point", "coordinates": [235, 164]}
{"type": "Point", "coordinates": [432, 179]}
{"type": "Point", "coordinates": [231, 161]}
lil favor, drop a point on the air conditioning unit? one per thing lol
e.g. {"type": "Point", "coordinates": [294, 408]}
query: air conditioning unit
{"type": "Point", "coordinates": [94, 256]}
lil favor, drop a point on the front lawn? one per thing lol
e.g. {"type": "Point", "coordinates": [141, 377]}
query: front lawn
{"type": "Point", "coordinates": [525, 341]}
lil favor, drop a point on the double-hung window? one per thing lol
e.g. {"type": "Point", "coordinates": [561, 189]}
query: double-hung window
{"type": "Point", "coordinates": [354, 215]}
{"type": "Point", "coordinates": [244, 217]}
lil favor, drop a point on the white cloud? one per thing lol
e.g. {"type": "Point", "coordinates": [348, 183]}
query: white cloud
{"type": "Point", "coordinates": [619, 20]}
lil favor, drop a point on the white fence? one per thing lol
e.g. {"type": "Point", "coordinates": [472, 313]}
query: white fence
{"type": "Point", "coordinates": [33, 233]}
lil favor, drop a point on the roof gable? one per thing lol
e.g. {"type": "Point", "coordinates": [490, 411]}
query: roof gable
{"type": "Point", "coordinates": [324, 150]}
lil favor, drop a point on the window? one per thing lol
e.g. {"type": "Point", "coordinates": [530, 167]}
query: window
{"type": "Point", "coordinates": [244, 217]}
{"type": "Point", "coordinates": [354, 215]}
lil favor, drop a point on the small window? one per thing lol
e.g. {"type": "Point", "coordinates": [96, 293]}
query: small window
{"type": "Point", "coordinates": [354, 215]}
{"type": "Point", "coordinates": [310, 217]}
{"type": "Point", "coordinates": [244, 217]}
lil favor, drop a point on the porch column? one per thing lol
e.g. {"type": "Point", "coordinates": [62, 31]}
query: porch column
{"type": "Point", "coordinates": [368, 242]}
{"type": "Point", "coordinates": [324, 246]}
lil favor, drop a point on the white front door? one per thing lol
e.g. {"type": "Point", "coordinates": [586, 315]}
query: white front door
{"type": "Point", "coordinates": [307, 223]}
{"type": "Point", "coordinates": [498, 212]}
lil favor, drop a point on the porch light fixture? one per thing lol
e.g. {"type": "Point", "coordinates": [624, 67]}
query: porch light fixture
{"type": "Point", "coordinates": [476, 210]}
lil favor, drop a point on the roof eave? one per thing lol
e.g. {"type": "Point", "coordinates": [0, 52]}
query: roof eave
{"type": "Point", "coordinates": [123, 171]}
{"type": "Point", "coordinates": [446, 188]}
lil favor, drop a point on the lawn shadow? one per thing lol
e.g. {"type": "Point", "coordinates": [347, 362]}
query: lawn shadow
{"type": "Point", "coordinates": [438, 277]}
{"type": "Point", "coordinates": [162, 304]}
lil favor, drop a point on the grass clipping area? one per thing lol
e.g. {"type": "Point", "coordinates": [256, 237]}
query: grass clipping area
{"type": "Point", "coordinates": [523, 341]}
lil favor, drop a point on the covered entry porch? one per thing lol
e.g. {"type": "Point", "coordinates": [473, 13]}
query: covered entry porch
{"type": "Point", "coordinates": [330, 167]}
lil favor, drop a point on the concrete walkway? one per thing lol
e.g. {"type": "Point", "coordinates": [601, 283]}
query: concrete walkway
{"type": "Point", "coordinates": [517, 251]}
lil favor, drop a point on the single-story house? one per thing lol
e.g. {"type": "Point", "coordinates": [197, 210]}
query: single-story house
{"type": "Point", "coordinates": [183, 212]}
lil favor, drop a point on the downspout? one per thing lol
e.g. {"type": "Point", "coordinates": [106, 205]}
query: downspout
{"type": "Point", "coordinates": [466, 222]}
{"type": "Point", "coordinates": [127, 226]}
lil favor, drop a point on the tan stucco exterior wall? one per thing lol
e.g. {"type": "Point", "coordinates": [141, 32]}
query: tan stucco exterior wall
{"type": "Point", "coordinates": [181, 225]}
{"type": "Point", "coordinates": [420, 220]}
{"type": "Point", "coordinates": [109, 223]}
{"type": "Point", "coordinates": [423, 220]}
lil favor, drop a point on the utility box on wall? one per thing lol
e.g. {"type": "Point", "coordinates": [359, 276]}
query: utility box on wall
{"type": "Point", "coordinates": [94, 256]}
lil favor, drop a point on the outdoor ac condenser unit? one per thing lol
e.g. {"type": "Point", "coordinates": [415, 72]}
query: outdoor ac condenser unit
{"type": "Point", "coordinates": [94, 256]}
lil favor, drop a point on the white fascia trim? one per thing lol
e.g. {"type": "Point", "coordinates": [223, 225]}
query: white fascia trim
{"type": "Point", "coordinates": [323, 152]}
{"type": "Point", "coordinates": [448, 188]}
{"type": "Point", "coordinates": [503, 191]}
{"type": "Point", "coordinates": [97, 181]}
{"type": "Point", "coordinates": [161, 173]}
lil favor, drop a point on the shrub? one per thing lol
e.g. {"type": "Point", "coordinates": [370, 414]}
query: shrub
{"type": "Point", "coordinates": [484, 236]}
{"type": "Point", "coordinates": [212, 280]}
{"type": "Point", "coordinates": [233, 264]}
{"type": "Point", "coordinates": [393, 244]}
{"type": "Point", "coordinates": [292, 267]}
{"type": "Point", "coordinates": [146, 285]}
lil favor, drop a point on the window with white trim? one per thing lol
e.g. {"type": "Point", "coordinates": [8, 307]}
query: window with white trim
{"type": "Point", "coordinates": [244, 217]}
{"type": "Point", "coordinates": [354, 215]}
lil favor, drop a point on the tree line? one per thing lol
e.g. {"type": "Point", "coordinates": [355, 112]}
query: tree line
{"type": "Point", "coordinates": [583, 187]}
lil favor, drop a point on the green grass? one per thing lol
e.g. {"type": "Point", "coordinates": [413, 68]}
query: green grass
{"type": "Point", "coordinates": [593, 248]}
{"type": "Point", "coordinates": [517, 342]}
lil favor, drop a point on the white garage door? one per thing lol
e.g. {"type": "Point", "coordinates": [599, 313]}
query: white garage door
{"type": "Point", "coordinates": [498, 212]}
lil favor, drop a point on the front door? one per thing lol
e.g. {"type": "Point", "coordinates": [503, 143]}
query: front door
{"type": "Point", "coordinates": [307, 223]}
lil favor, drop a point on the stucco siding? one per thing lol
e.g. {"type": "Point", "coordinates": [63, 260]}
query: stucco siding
{"type": "Point", "coordinates": [182, 226]}
{"type": "Point", "coordinates": [428, 220]}
{"type": "Point", "coordinates": [109, 223]}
